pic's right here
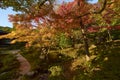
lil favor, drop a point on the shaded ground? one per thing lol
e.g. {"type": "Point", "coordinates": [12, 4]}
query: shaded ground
{"type": "Point", "coordinates": [24, 66]}
{"type": "Point", "coordinates": [8, 66]}
{"type": "Point", "coordinates": [105, 66]}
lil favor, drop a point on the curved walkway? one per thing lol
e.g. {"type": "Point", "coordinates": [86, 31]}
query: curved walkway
{"type": "Point", "coordinates": [24, 64]}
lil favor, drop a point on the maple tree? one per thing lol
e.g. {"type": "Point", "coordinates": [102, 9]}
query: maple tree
{"type": "Point", "coordinates": [78, 14]}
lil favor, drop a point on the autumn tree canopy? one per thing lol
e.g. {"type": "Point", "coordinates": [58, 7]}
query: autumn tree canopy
{"type": "Point", "coordinates": [42, 19]}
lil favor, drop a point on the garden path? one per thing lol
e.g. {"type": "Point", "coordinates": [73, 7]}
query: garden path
{"type": "Point", "coordinates": [24, 64]}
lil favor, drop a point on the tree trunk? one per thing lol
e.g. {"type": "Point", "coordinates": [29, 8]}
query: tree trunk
{"type": "Point", "coordinates": [85, 40]}
{"type": "Point", "coordinates": [110, 37]}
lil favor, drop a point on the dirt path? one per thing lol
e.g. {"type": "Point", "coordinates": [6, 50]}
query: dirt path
{"type": "Point", "coordinates": [24, 64]}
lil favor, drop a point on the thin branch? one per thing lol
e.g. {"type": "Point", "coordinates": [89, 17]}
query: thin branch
{"type": "Point", "coordinates": [42, 3]}
{"type": "Point", "coordinates": [96, 12]}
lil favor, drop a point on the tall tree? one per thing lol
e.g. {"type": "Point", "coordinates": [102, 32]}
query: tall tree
{"type": "Point", "coordinates": [79, 14]}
